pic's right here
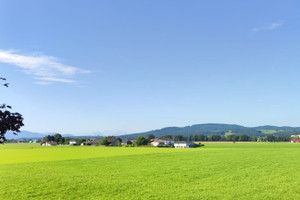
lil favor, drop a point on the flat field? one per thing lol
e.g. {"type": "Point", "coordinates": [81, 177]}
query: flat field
{"type": "Point", "coordinates": [216, 171]}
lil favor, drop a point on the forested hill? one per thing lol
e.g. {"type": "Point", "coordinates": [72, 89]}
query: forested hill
{"type": "Point", "coordinates": [220, 129]}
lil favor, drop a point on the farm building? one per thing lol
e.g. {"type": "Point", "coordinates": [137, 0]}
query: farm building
{"type": "Point", "coordinates": [157, 142]}
{"type": "Point", "coordinates": [295, 136]}
{"type": "Point", "coordinates": [72, 142]}
{"type": "Point", "coordinates": [112, 141]}
{"type": "Point", "coordinates": [50, 143]}
{"type": "Point", "coordinates": [85, 144]}
{"type": "Point", "coordinates": [126, 142]}
{"type": "Point", "coordinates": [93, 141]}
{"type": "Point", "coordinates": [184, 144]}
{"type": "Point", "coordinates": [295, 141]}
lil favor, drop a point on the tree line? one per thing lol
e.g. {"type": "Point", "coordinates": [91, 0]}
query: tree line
{"type": "Point", "coordinates": [60, 139]}
{"type": "Point", "coordinates": [232, 138]}
{"type": "Point", "coordinates": [141, 140]}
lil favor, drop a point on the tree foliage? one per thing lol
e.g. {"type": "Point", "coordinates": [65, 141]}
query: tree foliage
{"type": "Point", "coordinates": [9, 121]}
{"type": "Point", "coordinates": [231, 138]}
{"type": "Point", "coordinates": [55, 138]}
{"type": "Point", "coordinates": [104, 141]}
{"type": "Point", "coordinates": [150, 136]}
{"type": "Point", "coordinates": [140, 141]}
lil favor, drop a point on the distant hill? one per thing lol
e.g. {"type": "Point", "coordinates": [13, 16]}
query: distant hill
{"type": "Point", "coordinates": [31, 135]}
{"type": "Point", "coordinates": [218, 129]}
{"type": "Point", "coordinates": [278, 128]}
{"type": "Point", "coordinates": [206, 129]}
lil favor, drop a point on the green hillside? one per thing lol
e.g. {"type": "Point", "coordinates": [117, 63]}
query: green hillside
{"type": "Point", "coordinates": [220, 129]}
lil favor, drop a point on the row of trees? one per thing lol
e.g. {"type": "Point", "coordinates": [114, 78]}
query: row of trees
{"type": "Point", "coordinates": [108, 141]}
{"type": "Point", "coordinates": [56, 138]}
{"type": "Point", "coordinates": [140, 140]}
{"type": "Point", "coordinates": [233, 137]}
{"type": "Point", "coordinates": [60, 139]}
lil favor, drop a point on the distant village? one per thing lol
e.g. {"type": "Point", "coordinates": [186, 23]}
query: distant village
{"type": "Point", "coordinates": [149, 140]}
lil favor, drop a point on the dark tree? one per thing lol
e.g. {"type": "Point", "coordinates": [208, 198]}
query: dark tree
{"type": "Point", "coordinates": [202, 137]}
{"type": "Point", "coordinates": [150, 136]}
{"type": "Point", "coordinates": [49, 138]}
{"type": "Point", "coordinates": [166, 137]}
{"type": "Point", "coordinates": [270, 138]}
{"type": "Point", "coordinates": [81, 140]}
{"type": "Point", "coordinates": [244, 138]}
{"type": "Point", "coordinates": [223, 138]}
{"type": "Point", "coordinates": [104, 141]}
{"type": "Point", "coordinates": [119, 142]}
{"type": "Point", "coordinates": [179, 138]}
{"type": "Point", "coordinates": [9, 121]}
{"type": "Point", "coordinates": [58, 138]}
{"type": "Point", "coordinates": [232, 137]}
{"type": "Point", "coordinates": [216, 138]}
{"type": "Point", "coordinates": [140, 141]}
{"type": "Point", "coordinates": [195, 138]}
{"type": "Point", "coordinates": [67, 140]}
{"type": "Point", "coordinates": [209, 138]}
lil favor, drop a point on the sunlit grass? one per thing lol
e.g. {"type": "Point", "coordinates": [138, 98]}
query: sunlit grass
{"type": "Point", "coordinates": [216, 171]}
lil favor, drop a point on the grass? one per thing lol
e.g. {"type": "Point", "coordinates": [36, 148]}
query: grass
{"type": "Point", "coordinates": [269, 131]}
{"type": "Point", "coordinates": [216, 171]}
{"type": "Point", "coordinates": [229, 133]}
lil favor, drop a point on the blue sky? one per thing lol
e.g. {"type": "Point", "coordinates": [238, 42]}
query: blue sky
{"type": "Point", "coordinates": [97, 66]}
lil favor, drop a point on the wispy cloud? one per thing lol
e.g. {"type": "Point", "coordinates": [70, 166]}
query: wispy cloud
{"type": "Point", "coordinates": [269, 27]}
{"type": "Point", "coordinates": [46, 69]}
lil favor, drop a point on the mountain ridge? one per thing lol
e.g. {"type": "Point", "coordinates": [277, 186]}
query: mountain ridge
{"type": "Point", "coordinates": [219, 129]}
{"type": "Point", "coordinates": [206, 129]}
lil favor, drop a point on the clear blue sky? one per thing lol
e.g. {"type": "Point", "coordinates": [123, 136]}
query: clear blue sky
{"type": "Point", "coordinates": [87, 66]}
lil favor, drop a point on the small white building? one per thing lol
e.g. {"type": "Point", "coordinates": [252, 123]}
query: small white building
{"type": "Point", "coordinates": [155, 142]}
{"type": "Point", "coordinates": [72, 142]}
{"type": "Point", "coordinates": [50, 143]}
{"type": "Point", "coordinates": [184, 144]}
{"type": "Point", "coordinates": [295, 136]}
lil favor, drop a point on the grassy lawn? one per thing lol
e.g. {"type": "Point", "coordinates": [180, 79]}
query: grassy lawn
{"type": "Point", "coordinates": [216, 171]}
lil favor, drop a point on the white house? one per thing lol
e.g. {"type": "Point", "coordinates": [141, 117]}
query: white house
{"type": "Point", "coordinates": [126, 142]}
{"type": "Point", "coordinates": [50, 143]}
{"type": "Point", "coordinates": [157, 142]}
{"type": "Point", "coordinates": [295, 136]}
{"type": "Point", "coordinates": [72, 142]}
{"type": "Point", "coordinates": [184, 144]}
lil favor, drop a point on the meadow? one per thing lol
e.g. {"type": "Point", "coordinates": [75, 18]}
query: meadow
{"type": "Point", "coordinates": [215, 171]}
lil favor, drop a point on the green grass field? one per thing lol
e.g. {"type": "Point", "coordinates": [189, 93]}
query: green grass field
{"type": "Point", "coordinates": [270, 131]}
{"type": "Point", "coordinates": [216, 171]}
